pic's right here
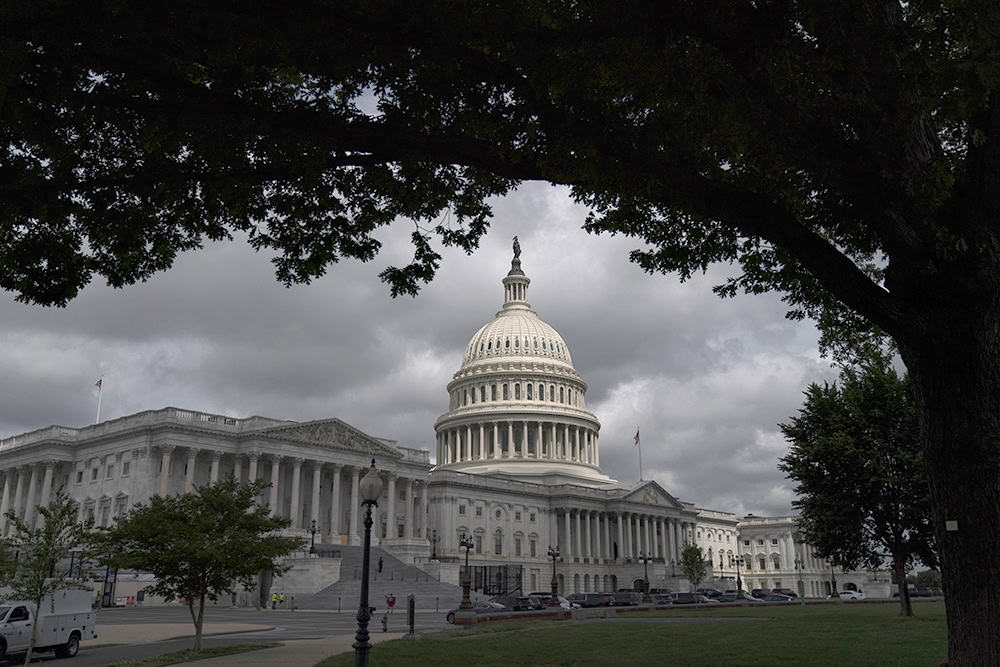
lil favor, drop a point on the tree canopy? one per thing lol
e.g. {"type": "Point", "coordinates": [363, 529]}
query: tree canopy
{"type": "Point", "coordinates": [844, 154]}
{"type": "Point", "coordinates": [693, 564]}
{"type": "Point", "coordinates": [199, 545]}
{"type": "Point", "coordinates": [861, 484]}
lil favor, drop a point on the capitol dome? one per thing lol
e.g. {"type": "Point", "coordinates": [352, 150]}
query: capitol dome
{"type": "Point", "coordinates": [517, 404]}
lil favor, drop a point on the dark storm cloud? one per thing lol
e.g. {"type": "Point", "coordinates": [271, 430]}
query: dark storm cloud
{"type": "Point", "coordinates": [705, 379]}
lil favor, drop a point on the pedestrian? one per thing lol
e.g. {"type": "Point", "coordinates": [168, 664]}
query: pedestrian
{"type": "Point", "coordinates": [281, 599]}
{"type": "Point", "coordinates": [274, 600]}
{"type": "Point", "coordinates": [390, 601]}
{"type": "Point", "coordinates": [380, 565]}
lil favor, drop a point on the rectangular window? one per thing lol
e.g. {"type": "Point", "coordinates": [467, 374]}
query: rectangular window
{"type": "Point", "coordinates": [760, 543]}
{"type": "Point", "coordinates": [746, 543]}
{"type": "Point", "coordinates": [479, 544]}
{"type": "Point", "coordinates": [479, 511]}
{"type": "Point", "coordinates": [399, 530]}
{"type": "Point", "coordinates": [493, 392]}
{"type": "Point", "coordinates": [773, 541]}
{"type": "Point", "coordinates": [517, 391]}
{"type": "Point", "coordinates": [517, 516]}
{"type": "Point", "coordinates": [517, 546]}
{"type": "Point", "coordinates": [79, 476]}
{"type": "Point", "coordinates": [482, 394]}
{"type": "Point", "coordinates": [461, 509]}
{"type": "Point", "coordinates": [531, 544]}
{"type": "Point", "coordinates": [93, 474]}
{"type": "Point", "coordinates": [111, 472]}
{"type": "Point", "coordinates": [125, 468]}
{"type": "Point", "coordinates": [531, 517]}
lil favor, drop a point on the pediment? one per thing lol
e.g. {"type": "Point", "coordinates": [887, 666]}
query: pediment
{"type": "Point", "coordinates": [651, 493]}
{"type": "Point", "coordinates": [331, 433]}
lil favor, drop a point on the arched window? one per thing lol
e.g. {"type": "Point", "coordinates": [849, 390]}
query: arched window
{"type": "Point", "coordinates": [762, 562]}
{"type": "Point", "coordinates": [482, 394]}
{"type": "Point", "coordinates": [506, 393]}
{"type": "Point", "coordinates": [507, 343]}
{"type": "Point", "coordinates": [517, 342]}
{"type": "Point", "coordinates": [528, 389]}
{"type": "Point", "coordinates": [480, 348]}
{"type": "Point", "coordinates": [473, 395]}
{"type": "Point", "coordinates": [517, 391]}
{"type": "Point", "coordinates": [465, 397]}
{"type": "Point", "coordinates": [498, 542]}
{"type": "Point", "coordinates": [552, 393]}
{"type": "Point", "coordinates": [541, 392]}
{"type": "Point", "coordinates": [535, 341]}
{"type": "Point", "coordinates": [561, 399]}
{"type": "Point", "coordinates": [489, 345]}
{"type": "Point", "coordinates": [493, 392]}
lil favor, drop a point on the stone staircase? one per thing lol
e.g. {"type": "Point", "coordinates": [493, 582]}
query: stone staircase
{"type": "Point", "coordinates": [397, 578]}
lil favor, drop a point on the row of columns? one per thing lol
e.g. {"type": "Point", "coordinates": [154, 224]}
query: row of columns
{"type": "Point", "coordinates": [583, 533]}
{"type": "Point", "coordinates": [518, 439]}
{"type": "Point", "coordinates": [22, 501]}
{"type": "Point", "coordinates": [315, 473]}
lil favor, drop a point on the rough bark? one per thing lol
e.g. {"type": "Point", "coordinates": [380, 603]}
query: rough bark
{"type": "Point", "coordinates": [899, 567]}
{"type": "Point", "coordinates": [955, 374]}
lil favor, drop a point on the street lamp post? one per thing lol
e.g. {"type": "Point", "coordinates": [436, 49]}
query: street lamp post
{"type": "Point", "coordinates": [554, 555]}
{"type": "Point", "coordinates": [738, 561]}
{"type": "Point", "coordinates": [371, 491]}
{"type": "Point", "coordinates": [466, 543]}
{"type": "Point", "coordinates": [434, 542]}
{"type": "Point", "coordinates": [313, 530]}
{"type": "Point", "coordinates": [833, 583]}
{"type": "Point", "coordinates": [644, 558]}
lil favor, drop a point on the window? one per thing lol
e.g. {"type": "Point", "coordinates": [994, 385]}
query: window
{"type": "Point", "coordinates": [399, 530]}
{"type": "Point", "coordinates": [111, 471]}
{"type": "Point", "coordinates": [493, 392]}
{"type": "Point", "coordinates": [465, 397]}
{"type": "Point", "coordinates": [479, 544]}
{"type": "Point", "coordinates": [541, 392]}
{"type": "Point", "coordinates": [498, 542]}
{"type": "Point", "coordinates": [760, 543]}
{"type": "Point", "coordinates": [79, 476]}
{"type": "Point", "coordinates": [473, 394]}
{"type": "Point", "coordinates": [506, 393]}
{"type": "Point", "coordinates": [461, 509]}
{"type": "Point", "coordinates": [746, 543]}
{"type": "Point", "coordinates": [499, 514]}
{"type": "Point", "coordinates": [763, 563]}
{"type": "Point", "coordinates": [531, 517]}
{"type": "Point", "coordinates": [517, 516]}
{"type": "Point", "coordinates": [479, 511]}
{"type": "Point", "coordinates": [125, 468]}
{"type": "Point", "coordinates": [482, 394]}
{"type": "Point", "coordinates": [774, 541]}
{"type": "Point", "coordinates": [552, 393]}
{"type": "Point", "coordinates": [517, 391]}
{"type": "Point", "coordinates": [561, 397]}
{"type": "Point", "coordinates": [93, 474]}
{"type": "Point", "coordinates": [534, 548]}
{"type": "Point", "coordinates": [506, 343]}
{"type": "Point", "coordinates": [529, 391]}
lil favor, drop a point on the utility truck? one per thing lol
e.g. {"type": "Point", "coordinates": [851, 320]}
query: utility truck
{"type": "Point", "coordinates": [65, 618]}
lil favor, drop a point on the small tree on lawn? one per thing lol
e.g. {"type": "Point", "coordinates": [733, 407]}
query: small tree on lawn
{"type": "Point", "coordinates": [199, 545]}
{"type": "Point", "coordinates": [693, 564]}
{"type": "Point", "coordinates": [35, 575]}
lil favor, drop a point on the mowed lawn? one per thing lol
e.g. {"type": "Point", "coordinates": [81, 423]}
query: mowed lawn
{"type": "Point", "coordinates": [834, 634]}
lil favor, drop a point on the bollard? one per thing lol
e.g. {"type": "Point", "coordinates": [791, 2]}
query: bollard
{"type": "Point", "coordinates": [338, 604]}
{"type": "Point", "coordinates": [436, 605]}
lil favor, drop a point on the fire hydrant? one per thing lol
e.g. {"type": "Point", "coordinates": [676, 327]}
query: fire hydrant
{"type": "Point", "coordinates": [385, 622]}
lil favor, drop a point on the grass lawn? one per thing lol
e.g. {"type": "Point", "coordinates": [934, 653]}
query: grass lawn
{"type": "Point", "coordinates": [837, 634]}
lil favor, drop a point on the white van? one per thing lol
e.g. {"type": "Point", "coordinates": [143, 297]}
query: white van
{"type": "Point", "coordinates": [65, 619]}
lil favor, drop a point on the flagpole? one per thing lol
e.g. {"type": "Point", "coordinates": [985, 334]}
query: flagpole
{"type": "Point", "coordinates": [638, 444]}
{"type": "Point", "coordinates": [100, 394]}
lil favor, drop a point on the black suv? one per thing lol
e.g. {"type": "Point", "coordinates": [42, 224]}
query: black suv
{"type": "Point", "coordinates": [786, 591]}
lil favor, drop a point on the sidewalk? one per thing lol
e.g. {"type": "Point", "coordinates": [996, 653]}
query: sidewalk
{"type": "Point", "coordinates": [154, 632]}
{"type": "Point", "coordinates": [296, 652]}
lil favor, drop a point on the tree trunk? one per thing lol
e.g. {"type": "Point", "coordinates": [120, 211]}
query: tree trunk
{"type": "Point", "coordinates": [899, 567]}
{"type": "Point", "coordinates": [198, 623]}
{"type": "Point", "coordinates": [34, 633]}
{"type": "Point", "coordinates": [956, 377]}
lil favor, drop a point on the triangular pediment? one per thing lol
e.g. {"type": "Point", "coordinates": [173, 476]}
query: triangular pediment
{"type": "Point", "coordinates": [331, 433]}
{"type": "Point", "coordinates": [651, 493]}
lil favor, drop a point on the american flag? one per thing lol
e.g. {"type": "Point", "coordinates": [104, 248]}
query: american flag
{"type": "Point", "coordinates": [100, 382]}
{"type": "Point", "coordinates": [637, 436]}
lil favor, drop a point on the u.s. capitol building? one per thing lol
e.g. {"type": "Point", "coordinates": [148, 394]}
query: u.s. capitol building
{"type": "Point", "coordinates": [516, 468]}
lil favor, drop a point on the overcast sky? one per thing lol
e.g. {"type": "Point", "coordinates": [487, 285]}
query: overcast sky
{"type": "Point", "coordinates": [705, 379]}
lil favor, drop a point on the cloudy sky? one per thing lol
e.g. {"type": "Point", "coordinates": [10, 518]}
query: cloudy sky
{"type": "Point", "coordinates": [706, 380]}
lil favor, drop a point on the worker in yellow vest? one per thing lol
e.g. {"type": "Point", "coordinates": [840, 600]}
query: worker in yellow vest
{"type": "Point", "coordinates": [274, 600]}
{"type": "Point", "coordinates": [281, 599]}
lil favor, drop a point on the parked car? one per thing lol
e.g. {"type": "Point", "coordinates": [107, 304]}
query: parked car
{"type": "Point", "coordinates": [775, 597]}
{"type": "Point", "coordinates": [592, 599]}
{"type": "Point", "coordinates": [518, 602]}
{"type": "Point", "coordinates": [785, 591]}
{"type": "Point", "coordinates": [759, 592]}
{"type": "Point", "coordinates": [566, 604]}
{"type": "Point", "coordinates": [479, 608]}
{"type": "Point", "coordinates": [661, 598]}
{"type": "Point", "coordinates": [544, 598]}
{"type": "Point", "coordinates": [921, 592]}
{"type": "Point", "coordinates": [709, 592]}
{"type": "Point", "coordinates": [627, 598]}
{"type": "Point", "coordinates": [691, 598]}
{"type": "Point", "coordinates": [659, 591]}
{"type": "Point", "coordinates": [734, 596]}
{"type": "Point", "coordinates": [852, 595]}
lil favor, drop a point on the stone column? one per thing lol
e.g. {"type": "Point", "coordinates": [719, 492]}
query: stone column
{"type": "Point", "coordinates": [189, 474]}
{"type": "Point", "coordinates": [335, 501]}
{"type": "Point", "coordinates": [607, 536]}
{"type": "Point", "coordinates": [317, 467]}
{"type": "Point", "coordinates": [621, 535]}
{"type": "Point", "coordinates": [5, 501]}
{"type": "Point", "coordinates": [238, 468]}
{"type": "Point", "coordinates": [165, 451]}
{"type": "Point", "coordinates": [252, 467]}
{"type": "Point", "coordinates": [597, 449]}
{"type": "Point", "coordinates": [567, 549]}
{"type": "Point", "coordinates": [496, 437]}
{"type": "Point", "coordinates": [467, 445]}
{"type": "Point", "coordinates": [19, 491]}
{"type": "Point", "coordinates": [391, 531]}
{"type": "Point", "coordinates": [275, 476]}
{"type": "Point", "coordinates": [295, 505]}
{"type": "Point", "coordinates": [576, 444]}
{"type": "Point", "coordinates": [29, 505]}
{"type": "Point", "coordinates": [355, 504]}
{"type": "Point", "coordinates": [578, 536]}
{"type": "Point", "coordinates": [553, 444]}
{"type": "Point", "coordinates": [524, 439]}
{"type": "Point", "coordinates": [409, 509]}
{"type": "Point", "coordinates": [50, 465]}
{"type": "Point", "coordinates": [213, 473]}
{"type": "Point", "coordinates": [419, 493]}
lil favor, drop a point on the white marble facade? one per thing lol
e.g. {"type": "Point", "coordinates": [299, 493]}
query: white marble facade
{"type": "Point", "coordinates": [517, 468]}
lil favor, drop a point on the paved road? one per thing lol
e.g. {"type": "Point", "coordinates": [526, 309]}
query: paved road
{"type": "Point", "coordinates": [131, 633]}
